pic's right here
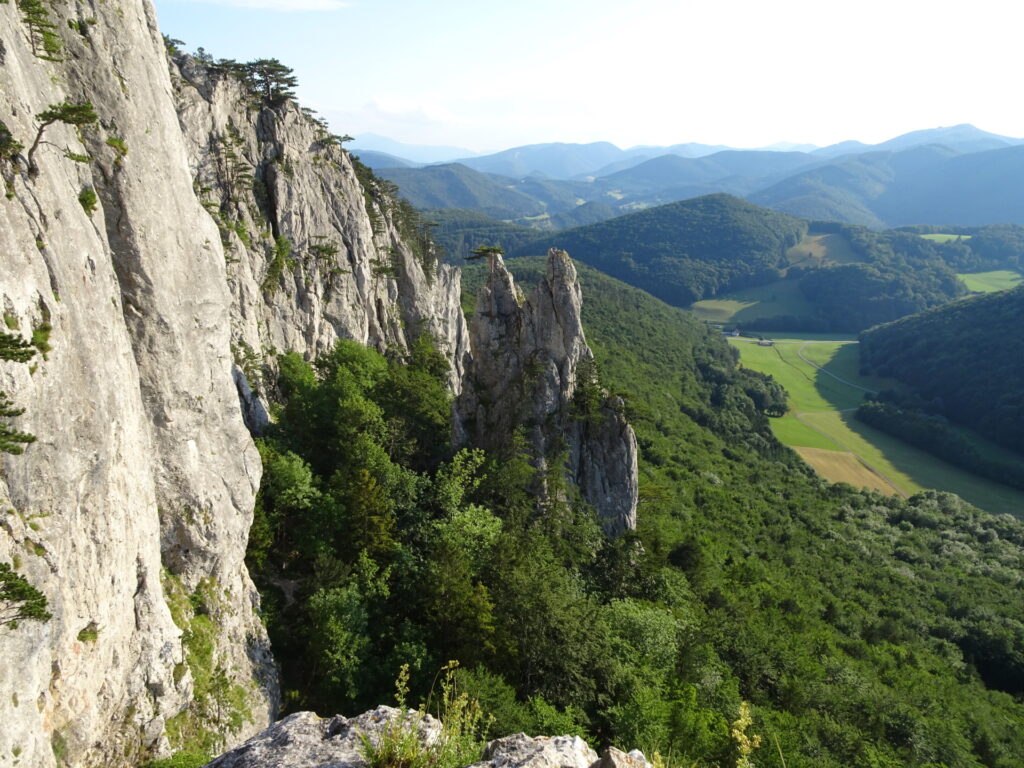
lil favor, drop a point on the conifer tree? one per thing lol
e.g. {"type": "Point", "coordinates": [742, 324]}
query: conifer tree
{"type": "Point", "coordinates": [46, 44]}
{"type": "Point", "coordinates": [12, 440]}
{"type": "Point", "coordinates": [68, 112]}
{"type": "Point", "coordinates": [19, 600]}
{"type": "Point", "coordinates": [271, 80]}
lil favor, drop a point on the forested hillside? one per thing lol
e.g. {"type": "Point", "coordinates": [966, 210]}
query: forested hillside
{"type": "Point", "coordinates": [864, 630]}
{"type": "Point", "coordinates": [967, 358]}
{"type": "Point", "coordinates": [897, 274]}
{"type": "Point", "coordinates": [704, 247]}
{"type": "Point", "coordinates": [923, 184]}
{"type": "Point", "coordinates": [685, 251]}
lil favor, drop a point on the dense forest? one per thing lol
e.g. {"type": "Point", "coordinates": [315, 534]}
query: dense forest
{"type": "Point", "coordinates": [965, 357]}
{"type": "Point", "coordinates": [896, 274]}
{"type": "Point", "coordinates": [862, 629]}
{"type": "Point", "coordinates": [977, 249]}
{"type": "Point", "coordinates": [686, 251]}
{"type": "Point", "coordinates": [918, 422]}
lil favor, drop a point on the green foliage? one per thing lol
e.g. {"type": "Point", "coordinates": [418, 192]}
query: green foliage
{"type": "Point", "coordinates": [324, 248]}
{"type": "Point", "coordinates": [279, 261]}
{"type": "Point", "coordinates": [9, 146]}
{"type": "Point", "coordinates": [482, 251]}
{"type": "Point", "coordinates": [219, 705]}
{"type": "Point", "coordinates": [88, 200]}
{"type": "Point", "coordinates": [401, 743]}
{"type": "Point", "coordinates": [964, 358]}
{"type": "Point", "coordinates": [68, 112]}
{"type": "Point", "coordinates": [46, 43]}
{"type": "Point", "coordinates": [383, 196]}
{"type": "Point", "coordinates": [41, 338]}
{"type": "Point", "coordinates": [457, 231]}
{"type": "Point", "coordinates": [686, 251]}
{"type": "Point", "coordinates": [271, 80]}
{"type": "Point", "coordinates": [906, 418]}
{"type": "Point", "coordinates": [180, 760]}
{"type": "Point", "coordinates": [863, 630]}
{"type": "Point", "coordinates": [119, 146]}
{"type": "Point", "coordinates": [844, 617]}
{"type": "Point", "coordinates": [89, 634]}
{"type": "Point", "coordinates": [15, 349]}
{"type": "Point", "coordinates": [19, 600]}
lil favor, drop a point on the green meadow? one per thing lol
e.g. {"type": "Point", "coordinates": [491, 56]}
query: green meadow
{"type": "Point", "coordinates": [824, 385]}
{"type": "Point", "coordinates": [939, 237]}
{"type": "Point", "coordinates": [989, 282]}
{"type": "Point", "coordinates": [783, 297]}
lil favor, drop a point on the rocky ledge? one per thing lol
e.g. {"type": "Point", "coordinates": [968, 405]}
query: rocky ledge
{"type": "Point", "coordinates": [305, 740]}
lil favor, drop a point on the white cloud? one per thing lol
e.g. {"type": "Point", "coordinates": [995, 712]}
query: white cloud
{"type": "Point", "coordinates": [281, 5]}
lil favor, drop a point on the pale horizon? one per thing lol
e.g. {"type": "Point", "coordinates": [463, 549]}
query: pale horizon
{"type": "Point", "coordinates": [741, 74]}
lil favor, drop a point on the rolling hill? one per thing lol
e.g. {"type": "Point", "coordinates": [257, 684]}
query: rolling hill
{"type": "Point", "coordinates": [684, 251]}
{"type": "Point", "coordinates": [965, 358]}
{"type": "Point", "coordinates": [925, 184]}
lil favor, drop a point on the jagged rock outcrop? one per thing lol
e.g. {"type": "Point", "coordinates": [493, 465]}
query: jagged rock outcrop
{"type": "Point", "coordinates": [531, 367]}
{"type": "Point", "coordinates": [304, 740]}
{"type": "Point", "coordinates": [316, 248]}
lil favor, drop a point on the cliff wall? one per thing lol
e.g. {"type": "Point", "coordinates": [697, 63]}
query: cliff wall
{"type": "Point", "coordinates": [224, 229]}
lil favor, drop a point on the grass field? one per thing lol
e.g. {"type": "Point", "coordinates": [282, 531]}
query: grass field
{"type": "Point", "coordinates": [821, 426]}
{"type": "Point", "coordinates": [989, 282]}
{"type": "Point", "coordinates": [819, 250]}
{"type": "Point", "coordinates": [945, 238]}
{"type": "Point", "coordinates": [783, 297]}
{"type": "Point", "coordinates": [846, 467]}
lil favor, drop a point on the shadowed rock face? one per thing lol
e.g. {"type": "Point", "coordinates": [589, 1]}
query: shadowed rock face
{"type": "Point", "coordinates": [530, 368]}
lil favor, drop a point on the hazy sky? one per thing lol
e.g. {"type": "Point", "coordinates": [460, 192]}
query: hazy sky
{"type": "Point", "coordinates": [491, 74]}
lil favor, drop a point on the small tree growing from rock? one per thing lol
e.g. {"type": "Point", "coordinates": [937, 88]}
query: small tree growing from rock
{"type": "Point", "coordinates": [69, 113]}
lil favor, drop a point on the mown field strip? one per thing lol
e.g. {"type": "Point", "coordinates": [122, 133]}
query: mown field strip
{"type": "Point", "coordinates": [825, 388]}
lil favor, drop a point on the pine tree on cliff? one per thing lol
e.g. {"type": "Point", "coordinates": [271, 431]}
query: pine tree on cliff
{"type": "Point", "coordinates": [271, 80]}
{"type": "Point", "coordinates": [19, 600]}
{"type": "Point", "coordinates": [12, 440]}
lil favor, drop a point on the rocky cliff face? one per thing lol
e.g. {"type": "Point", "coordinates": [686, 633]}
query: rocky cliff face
{"type": "Point", "coordinates": [224, 229]}
{"type": "Point", "coordinates": [316, 249]}
{"type": "Point", "coordinates": [138, 492]}
{"type": "Point", "coordinates": [531, 368]}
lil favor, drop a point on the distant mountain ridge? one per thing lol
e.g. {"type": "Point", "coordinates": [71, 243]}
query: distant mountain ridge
{"type": "Point", "coordinates": [956, 176]}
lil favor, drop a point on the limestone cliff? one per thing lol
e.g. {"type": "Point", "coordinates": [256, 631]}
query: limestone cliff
{"type": "Point", "coordinates": [224, 228]}
{"type": "Point", "coordinates": [316, 248]}
{"type": "Point", "coordinates": [531, 368]}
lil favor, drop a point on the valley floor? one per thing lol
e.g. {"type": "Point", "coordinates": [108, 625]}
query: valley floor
{"type": "Point", "coordinates": [825, 388]}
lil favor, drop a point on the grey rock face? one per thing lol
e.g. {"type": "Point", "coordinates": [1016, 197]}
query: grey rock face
{"type": "Point", "coordinates": [304, 740]}
{"type": "Point", "coordinates": [521, 751]}
{"type": "Point", "coordinates": [143, 474]}
{"type": "Point", "coordinates": [531, 367]}
{"type": "Point", "coordinates": [355, 267]}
